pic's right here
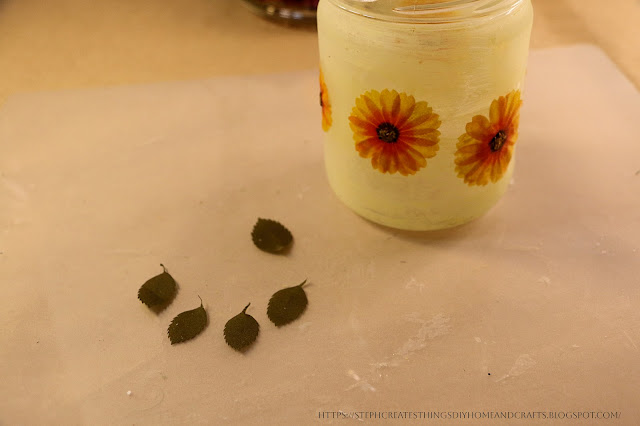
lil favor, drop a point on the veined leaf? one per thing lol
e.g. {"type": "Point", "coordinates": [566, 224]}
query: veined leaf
{"type": "Point", "coordinates": [271, 236]}
{"type": "Point", "coordinates": [241, 331]}
{"type": "Point", "coordinates": [187, 325]}
{"type": "Point", "coordinates": [287, 305]}
{"type": "Point", "coordinates": [158, 292]}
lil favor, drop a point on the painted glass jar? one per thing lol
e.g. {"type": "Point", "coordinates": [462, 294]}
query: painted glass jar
{"type": "Point", "coordinates": [421, 105]}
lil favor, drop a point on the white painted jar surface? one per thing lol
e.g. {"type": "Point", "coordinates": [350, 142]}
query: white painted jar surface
{"type": "Point", "coordinates": [421, 105]}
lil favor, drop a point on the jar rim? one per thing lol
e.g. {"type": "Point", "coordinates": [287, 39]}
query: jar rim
{"type": "Point", "coordinates": [428, 11]}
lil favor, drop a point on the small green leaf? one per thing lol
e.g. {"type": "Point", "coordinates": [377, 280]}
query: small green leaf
{"type": "Point", "coordinates": [158, 291]}
{"type": "Point", "coordinates": [187, 325]}
{"type": "Point", "coordinates": [241, 331]}
{"type": "Point", "coordinates": [271, 236]}
{"type": "Point", "coordinates": [287, 305]}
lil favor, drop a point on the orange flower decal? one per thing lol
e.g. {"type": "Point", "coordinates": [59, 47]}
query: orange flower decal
{"type": "Point", "coordinates": [325, 104]}
{"type": "Point", "coordinates": [485, 150]}
{"type": "Point", "coordinates": [395, 131]}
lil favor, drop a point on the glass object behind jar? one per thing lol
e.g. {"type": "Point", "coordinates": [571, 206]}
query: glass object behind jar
{"type": "Point", "coordinates": [459, 57]}
{"type": "Point", "coordinates": [294, 12]}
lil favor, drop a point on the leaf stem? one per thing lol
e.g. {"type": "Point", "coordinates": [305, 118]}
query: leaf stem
{"type": "Point", "coordinates": [302, 283]}
{"type": "Point", "coordinates": [200, 300]}
{"type": "Point", "coordinates": [163, 267]}
{"type": "Point", "coordinates": [244, 311]}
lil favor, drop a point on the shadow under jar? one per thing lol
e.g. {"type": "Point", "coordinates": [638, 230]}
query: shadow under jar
{"type": "Point", "coordinates": [421, 105]}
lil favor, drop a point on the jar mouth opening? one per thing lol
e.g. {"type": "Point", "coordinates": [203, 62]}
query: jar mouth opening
{"type": "Point", "coordinates": [428, 11]}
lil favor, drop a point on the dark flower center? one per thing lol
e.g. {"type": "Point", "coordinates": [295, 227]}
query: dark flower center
{"type": "Point", "coordinates": [321, 103]}
{"type": "Point", "coordinates": [498, 141]}
{"type": "Point", "coordinates": [388, 133]}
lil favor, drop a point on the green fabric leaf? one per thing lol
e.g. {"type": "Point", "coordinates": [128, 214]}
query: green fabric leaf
{"type": "Point", "coordinates": [287, 305]}
{"type": "Point", "coordinates": [187, 325]}
{"type": "Point", "coordinates": [241, 331]}
{"type": "Point", "coordinates": [271, 236]}
{"type": "Point", "coordinates": [158, 292]}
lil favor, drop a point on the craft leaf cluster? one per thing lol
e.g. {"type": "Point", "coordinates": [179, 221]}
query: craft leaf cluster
{"type": "Point", "coordinates": [241, 331]}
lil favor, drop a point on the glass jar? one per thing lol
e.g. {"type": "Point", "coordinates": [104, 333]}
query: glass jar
{"type": "Point", "coordinates": [294, 12]}
{"type": "Point", "coordinates": [421, 105]}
